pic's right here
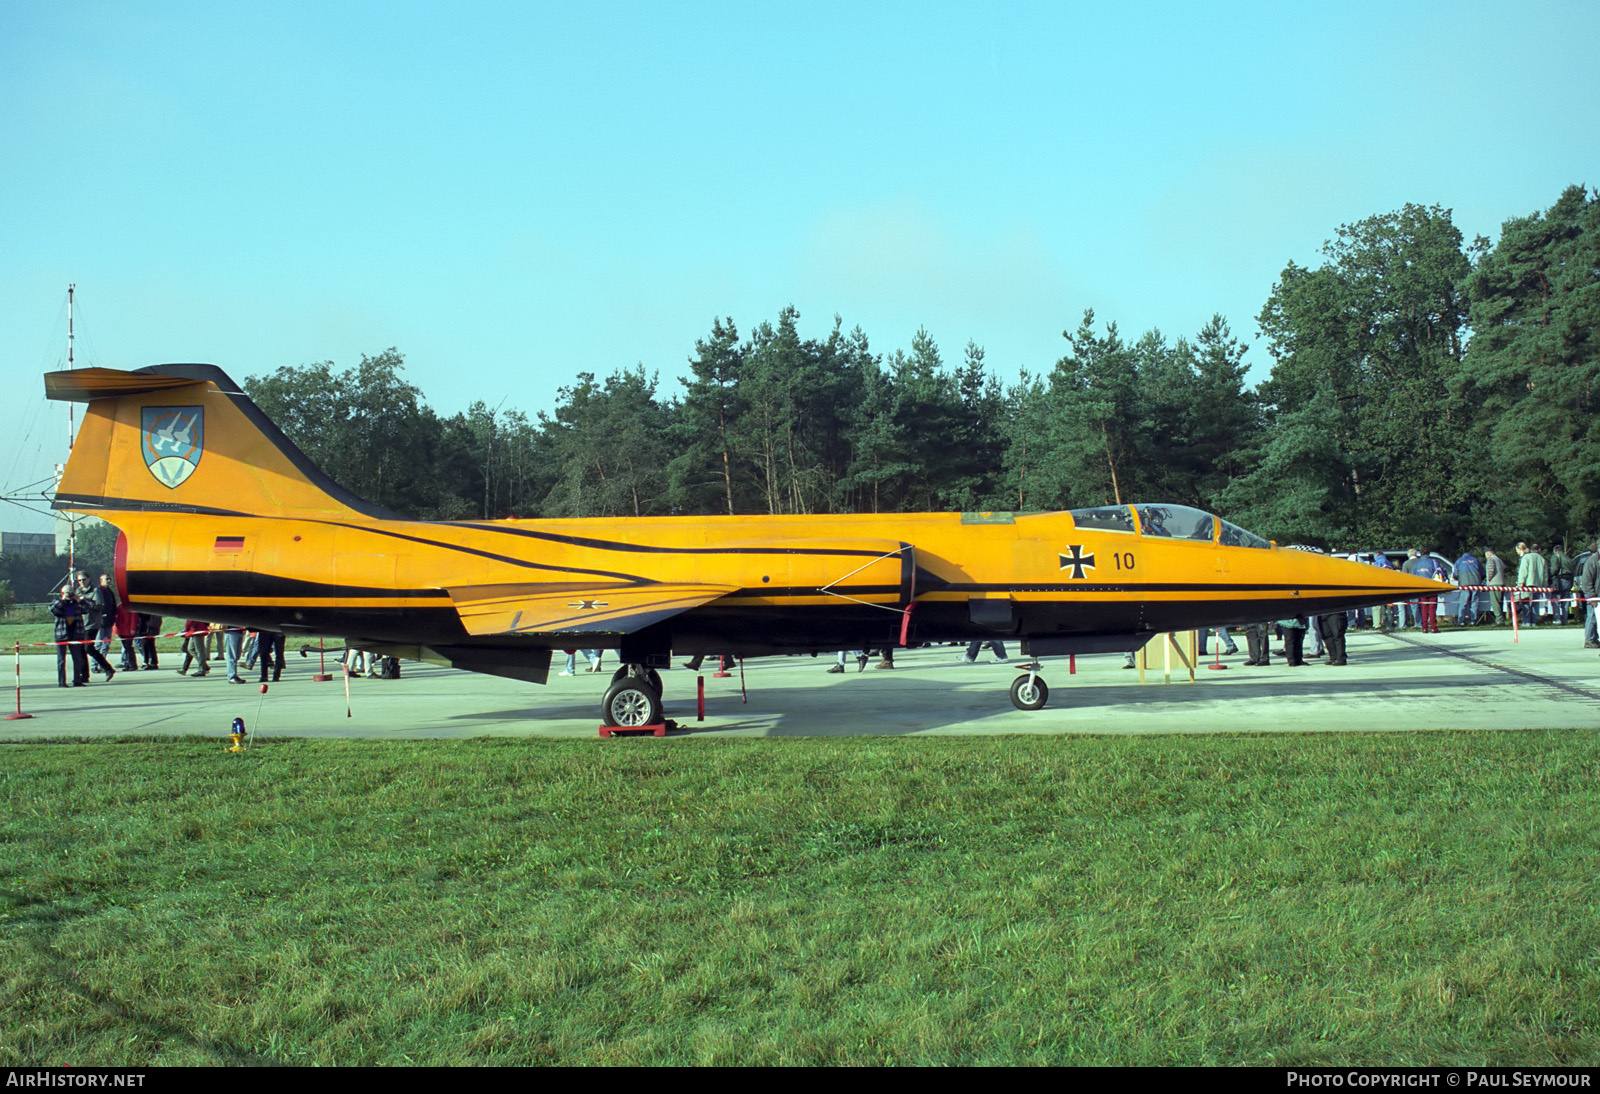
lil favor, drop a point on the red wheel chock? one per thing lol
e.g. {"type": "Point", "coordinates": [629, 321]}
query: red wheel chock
{"type": "Point", "coordinates": [658, 730]}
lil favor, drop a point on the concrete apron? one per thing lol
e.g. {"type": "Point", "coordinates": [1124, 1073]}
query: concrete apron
{"type": "Point", "coordinates": [1470, 679]}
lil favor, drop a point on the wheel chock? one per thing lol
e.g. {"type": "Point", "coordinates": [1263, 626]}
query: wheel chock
{"type": "Point", "coordinates": [657, 730]}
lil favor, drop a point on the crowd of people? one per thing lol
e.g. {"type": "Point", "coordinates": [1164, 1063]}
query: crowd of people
{"type": "Point", "coordinates": [84, 616]}
{"type": "Point", "coordinates": [204, 642]}
{"type": "Point", "coordinates": [1540, 591]}
{"type": "Point", "coordinates": [89, 617]}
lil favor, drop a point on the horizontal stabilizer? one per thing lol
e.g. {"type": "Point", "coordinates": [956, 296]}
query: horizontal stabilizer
{"type": "Point", "coordinates": [571, 608]}
{"type": "Point", "coordinates": [82, 384]}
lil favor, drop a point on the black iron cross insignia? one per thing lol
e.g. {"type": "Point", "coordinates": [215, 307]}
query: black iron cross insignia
{"type": "Point", "coordinates": [1077, 560]}
{"type": "Point", "coordinates": [585, 604]}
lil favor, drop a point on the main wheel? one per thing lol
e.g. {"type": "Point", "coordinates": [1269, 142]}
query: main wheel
{"type": "Point", "coordinates": [1028, 692]}
{"type": "Point", "coordinates": [631, 703]}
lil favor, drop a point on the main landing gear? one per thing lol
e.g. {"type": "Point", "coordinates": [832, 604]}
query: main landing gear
{"type": "Point", "coordinates": [633, 699]}
{"type": "Point", "coordinates": [1028, 692]}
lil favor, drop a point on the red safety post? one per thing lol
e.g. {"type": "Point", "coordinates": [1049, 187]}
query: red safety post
{"type": "Point", "coordinates": [1072, 664]}
{"type": "Point", "coordinates": [1516, 636]}
{"type": "Point", "coordinates": [1216, 662]}
{"type": "Point", "coordinates": [322, 674]}
{"type": "Point", "coordinates": [17, 652]}
{"type": "Point", "coordinates": [722, 672]}
{"type": "Point", "coordinates": [742, 690]}
{"type": "Point", "coordinates": [700, 698]}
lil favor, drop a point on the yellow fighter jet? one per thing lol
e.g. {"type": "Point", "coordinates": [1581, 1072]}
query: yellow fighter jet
{"type": "Point", "coordinates": [223, 518]}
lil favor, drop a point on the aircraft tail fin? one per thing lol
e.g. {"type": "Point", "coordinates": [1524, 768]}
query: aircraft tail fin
{"type": "Point", "coordinates": [186, 439]}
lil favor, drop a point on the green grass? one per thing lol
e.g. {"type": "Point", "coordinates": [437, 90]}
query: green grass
{"type": "Point", "coordinates": [1294, 899]}
{"type": "Point", "coordinates": [29, 634]}
{"type": "Point", "coordinates": [41, 632]}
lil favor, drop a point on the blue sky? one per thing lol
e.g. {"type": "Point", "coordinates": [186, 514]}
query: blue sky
{"type": "Point", "coordinates": [514, 193]}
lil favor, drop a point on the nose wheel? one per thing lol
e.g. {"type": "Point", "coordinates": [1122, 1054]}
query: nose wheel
{"type": "Point", "coordinates": [1029, 692]}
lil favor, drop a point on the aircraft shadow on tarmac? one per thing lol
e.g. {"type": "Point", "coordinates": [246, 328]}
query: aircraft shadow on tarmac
{"type": "Point", "coordinates": [920, 700]}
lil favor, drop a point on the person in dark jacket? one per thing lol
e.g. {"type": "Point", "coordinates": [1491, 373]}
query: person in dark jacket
{"type": "Point", "coordinates": [1255, 634]}
{"type": "Point", "coordinates": [1294, 640]}
{"type": "Point", "coordinates": [69, 639]}
{"type": "Point", "coordinates": [1495, 576]}
{"type": "Point", "coordinates": [149, 627]}
{"type": "Point", "coordinates": [1589, 586]}
{"type": "Point", "coordinates": [1468, 572]}
{"type": "Point", "coordinates": [89, 604]}
{"type": "Point", "coordinates": [105, 595]}
{"type": "Point", "coordinates": [1561, 576]}
{"type": "Point", "coordinates": [1332, 628]}
{"type": "Point", "coordinates": [269, 646]}
{"type": "Point", "coordinates": [83, 593]}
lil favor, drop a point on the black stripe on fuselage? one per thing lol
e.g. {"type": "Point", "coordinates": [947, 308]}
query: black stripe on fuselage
{"type": "Point", "coordinates": [140, 505]}
{"type": "Point", "coordinates": [834, 590]}
{"type": "Point", "coordinates": [223, 584]}
{"type": "Point", "coordinates": [1175, 587]}
{"type": "Point", "coordinates": [632, 579]}
{"type": "Point", "coordinates": [80, 501]}
{"type": "Point", "coordinates": [650, 548]}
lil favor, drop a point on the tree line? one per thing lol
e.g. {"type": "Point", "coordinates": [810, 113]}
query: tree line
{"type": "Point", "coordinates": [1422, 389]}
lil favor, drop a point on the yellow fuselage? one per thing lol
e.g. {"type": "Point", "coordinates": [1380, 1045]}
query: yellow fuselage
{"type": "Point", "coordinates": [814, 582]}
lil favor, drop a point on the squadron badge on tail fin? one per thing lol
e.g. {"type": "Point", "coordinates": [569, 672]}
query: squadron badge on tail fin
{"type": "Point", "coordinates": [172, 441]}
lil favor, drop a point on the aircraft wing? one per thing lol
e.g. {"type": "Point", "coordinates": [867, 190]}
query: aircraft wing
{"type": "Point", "coordinates": [572, 608]}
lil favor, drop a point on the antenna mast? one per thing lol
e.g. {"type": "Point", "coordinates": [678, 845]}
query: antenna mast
{"type": "Point", "coordinates": [72, 523]}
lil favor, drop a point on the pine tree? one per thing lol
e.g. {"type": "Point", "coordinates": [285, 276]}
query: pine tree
{"type": "Point", "coordinates": [1531, 379]}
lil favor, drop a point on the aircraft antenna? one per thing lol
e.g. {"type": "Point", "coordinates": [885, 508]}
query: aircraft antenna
{"type": "Point", "coordinates": [72, 522]}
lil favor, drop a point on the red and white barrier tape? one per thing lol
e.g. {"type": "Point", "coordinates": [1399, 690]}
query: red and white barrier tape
{"type": "Point", "coordinates": [125, 637]}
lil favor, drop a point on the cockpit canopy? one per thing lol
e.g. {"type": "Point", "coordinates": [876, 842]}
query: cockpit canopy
{"type": "Point", "coordinates": [1170, 521]}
